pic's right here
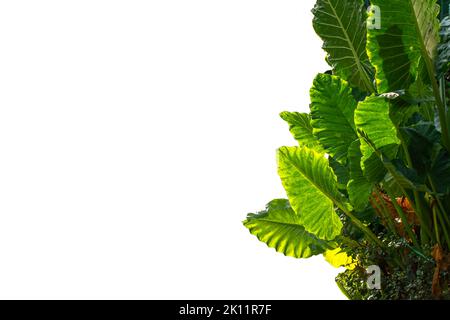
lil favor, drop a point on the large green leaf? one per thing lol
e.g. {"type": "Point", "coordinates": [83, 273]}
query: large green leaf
{"type": "Point", "coordinates": [372, 118]}
{"type": "Point", "coordinates": [312, 190]}
{"type": "Point", "coordinates": [406, 43]}
{"type": "Point", "coordinates": [332, 111]}
{"type": "Point", "coordinates": [359, 188]}
{"type": "Point", "coordinates": [402, 111]}
{"type": "Point", "coordinates": [280, 228]}
{"type": "Point", "coordinates": [300, 127]}
{"type": "Point", "coordinates": [342, 26]}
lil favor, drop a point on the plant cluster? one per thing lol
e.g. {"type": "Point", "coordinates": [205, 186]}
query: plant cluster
{"type": "Point", "coordinates": [369, 181]}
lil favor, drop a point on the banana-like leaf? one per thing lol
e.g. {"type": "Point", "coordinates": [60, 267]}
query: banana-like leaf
{"type": "Point", "coordinates": [372, 118]}
{"type": "Point", "coordinates": [280, 228]}
{"type": "Point", "coordinates": [342, 26]}
{"type": "Point", "coordinates": [301, 129]}
{"type": "Point", "coordinates": [358, 188]}
{"type": "Point", "coordinates": [332, 112]}
{"type": "Point", "coordinates": [402, 112]}
{"type": "Point", "coordinates": [405, 45]}
{"type": "Point", "coordinates": [312, 190]}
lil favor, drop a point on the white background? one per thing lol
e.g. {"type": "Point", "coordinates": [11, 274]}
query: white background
{"type": "Point", "coordinates": [135, 136]}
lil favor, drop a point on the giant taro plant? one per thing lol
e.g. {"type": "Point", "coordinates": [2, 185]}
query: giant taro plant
{"type": "Point", "coordinates": [369, 181]}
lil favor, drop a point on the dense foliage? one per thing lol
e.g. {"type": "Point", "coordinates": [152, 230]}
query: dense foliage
{"type": "Point", "coordinates": [369, 181]}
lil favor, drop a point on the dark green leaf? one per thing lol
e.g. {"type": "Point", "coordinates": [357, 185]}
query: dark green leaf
{"type": "Point", "coordinates": [341, 173]}
{"type": "Point", "coordinates": [405, 44]}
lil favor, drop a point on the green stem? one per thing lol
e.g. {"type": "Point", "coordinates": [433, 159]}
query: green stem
{"type": "Point", "coordinates": [436, 228]}
{"type": "Point", "coordinates": [361, 226]}
{"type": "Point", "coordinates": [416, 204]}
{"type": "Point", "coordinates": [436, 90]}
{"type": "Point", "coordinates": [442, 88]}
{"type": "Point", "coordinates": [441, 107]}
{"type": "Point", "coordinates": [419, 253]}
{"type": "Point", "coordinates": [438, 200]}
{"type": "Point", "coordinates": [441, 212]}
{"type": "Point", "coordinates": [349, 242]}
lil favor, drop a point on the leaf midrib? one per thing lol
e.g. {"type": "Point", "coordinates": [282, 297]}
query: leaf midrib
{"type": "Point", "coordinates": [347, 121]}
{"type": "Point", "coordinates": [311, 181]}
{"type": "Point", "coordinates": [355, 55]}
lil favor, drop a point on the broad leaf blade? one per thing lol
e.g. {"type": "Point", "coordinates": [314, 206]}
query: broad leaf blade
{"type": "Point", "coordinates": [280, 228]}
{"type": "Point", "coordinates": [332, 112]}
{"type": "Point", "coordinates": [342, 27]}
{"type": "Point", "coordinates": [301, 129]}
{"type": "Point", "coordinates": [372, 118]}
{"type": "Point", "coordinates": [405, 43]}
{"type": "Point", "coordinates": [311, 188]}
